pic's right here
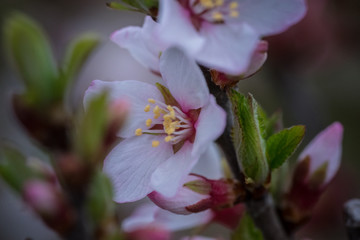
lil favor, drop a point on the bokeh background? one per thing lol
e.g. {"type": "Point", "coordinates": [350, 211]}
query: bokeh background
{"type": "Point", "coordinates": [312, 74]}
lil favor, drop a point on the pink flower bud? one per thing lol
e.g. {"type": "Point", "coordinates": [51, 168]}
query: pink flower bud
{"type": "Point", "coordinates": [325, 151]}
{"type": "Point", "coordinates": [42, 197]}
{"type": "Point", "coordinates": [198, 194]}
{"type": "Point", "coordinates": [316, 167]}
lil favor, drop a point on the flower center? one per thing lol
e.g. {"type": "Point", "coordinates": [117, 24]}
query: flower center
{"type": "Point", "coordinates": [212, 11]}
{"type": "Point", "coordinates": [167, 120]}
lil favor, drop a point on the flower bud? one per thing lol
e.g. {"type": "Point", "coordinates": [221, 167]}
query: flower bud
{"type": "Point", "coordinates": [49, 204]}
{"type": "Point", "coordinates": [198, 194]}
{"type": "Point", "coordinates": [316, 167]}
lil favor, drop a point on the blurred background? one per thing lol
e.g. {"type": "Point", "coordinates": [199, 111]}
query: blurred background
{"type": "Point", "coordinates": [312, 74]}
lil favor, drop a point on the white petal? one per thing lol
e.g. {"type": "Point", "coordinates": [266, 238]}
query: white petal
{"type": "Point", "coordinates": [209, 164]}
{"type": "Point", "coordinates": [210, 125]}
{"type": "Point", "coordinates": [170, 175]}
{"type": "Point", "coordinates": [131, 164]}
{"type": "Point", "coordinates": [137, 93]}
{"type": "Point", "coordinates": [184, 79]}
{"type": "Point", "coordinates": [227, 49]}
{"type": "Point", "coordinates": [271, 16]}
{"type": "Point", "coordinates": [141, 43]}
{"type": "Point", "coordinates": [176, 27]}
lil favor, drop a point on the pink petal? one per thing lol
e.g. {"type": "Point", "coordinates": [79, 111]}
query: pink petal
{"type": "Point", "coordinates": [135, 92]}
{"type": "Point", "coordinates": [325, 147]}
{"type": "Point", "coordinates": [271, 16]}
{"type": "Point", "coordinates": [151, 214]}
{"type": "Point", "coordinates": [141, 43]}
{"type": "Point", "coordinates": [184, 79]}
{"type": "Point", "coordinates": [257, 60]}
{"type": "Point", "coordinates": [199, 238]}
{"type": "Point", "coordinates": [227, 49]}
{"type": "Point", "coordinates": [176, 222]}
{"type": "Point", "coordinates": [132, 162]}
{"type": "Point", "coordinates": [176, 28]}
{"type": "Point", "coordinates": [170, 175]}
{"type": "Point", "coordinates": [209, 164]}
{"type": "Point", "coordinates": [209, 127]}
{"type": "Point", "coordinates": [178, 203]}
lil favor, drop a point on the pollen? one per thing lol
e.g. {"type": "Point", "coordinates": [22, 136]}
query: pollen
{"type": "Point", "coordinates": [156, 112]}
{"type": "Point", "coordinates": [171, 111]}
{"type": "Point", "coordinates": [148, 122]}
{"type": "Point", "coordinates": [233, 5]}
{"type": "Point", "coordinates": [150, 100]}
{"type": "Point", "coordinates": [147, 108]}
{"type": "Point", "coordinates": [155, 143]}
{"type": "Point", "coordinates": [168, 138]}
{"type": "Point", "coordinates": [219, 2]}
{"type": "Point", "coordinates": [207, 3]}
{"type": "Point", "coordinates": [138, 132]}
{"type": "Point", "coordinates": [234, 13]}
{"type": "Point", "coordinates": [217, 16]}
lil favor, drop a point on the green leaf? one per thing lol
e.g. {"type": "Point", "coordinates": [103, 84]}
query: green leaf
{"type": "Point", "coordinates": [91, 128]}
{"type": "Point", "coordinates": [30, 52]}
{"type": "Point", "coordinates": [247, 230]}
{"type": "Point", "coordinates": [282, 145]}
{"type": "Point", "coordinates": [76, 55]}
{"type": "Point", "coordinates": [14, 169]}
{"type": "Point", "coordinates": [100, 199]}
{"type": "Point", "coordinates": [119, 6]}
{"type": "Point", "coordinates": [248, 140]}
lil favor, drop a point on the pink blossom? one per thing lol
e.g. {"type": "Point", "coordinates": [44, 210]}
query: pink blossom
{"type": "Point", "coordinates": [223, 34]}
{"type": "Point", "coordinates": [163, 136]}
{"type": "Point", "coordinates": [325, 148]}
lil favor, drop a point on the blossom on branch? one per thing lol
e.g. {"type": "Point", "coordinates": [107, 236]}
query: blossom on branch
{"type": "Point", "coordinates": [166, 131]}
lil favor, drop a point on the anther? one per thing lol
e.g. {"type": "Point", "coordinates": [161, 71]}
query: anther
{"type": "Point", "coordinates": [155, 143]}
{"type": "Point", "coordinates": [234, 13]}
{"type": "Point", "coordinates": [156, 112]}
{"type": "Point", "coordinates": [217, 16]}
{"type": "Point", "coordinates": [150, 100]}
{"type": "Point", "coordinates": [233, 5]}
{"type": "Point", "coordinates": [148, 122]}
{"type": "Point", "coordinates": [138, 132]}
{"type": "Point", "coordinates": [168, 138]}
{"type": "Point", "coordinates": [219, 2]}
{"type": "Point", "coordinates": [207, 3]}
{"type": "Point", "coordinates": [147, 108]}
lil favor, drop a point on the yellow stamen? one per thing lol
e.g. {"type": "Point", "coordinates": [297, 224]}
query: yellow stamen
{"type": "Point", "coordinates": [148, 122]}
{"type": "Point", "coordinates": [234, 13]}
{"type": "Point", "coordinates": [207, 3]}
{"type": "Point", "coordinates": [155, 143]}
{"type": "Point", "coordinates": [156, 112]}
{"type": "Point", "coordinates": [217, 16]}
{"type": "Point", "coordinates": [233, 5]}
{"type": "Point", "coordinates": [147, 108]}
{"type": "Point", "coordinates": [171, 111]}
{"type": "Point", "coordinates": [138, 132]}
{"type": "Point", "coordinates": [219, 2]}
{"type": "Point", "coordinates": [150, 100]}
{"type": "Point", "coordinates": [168, 138]}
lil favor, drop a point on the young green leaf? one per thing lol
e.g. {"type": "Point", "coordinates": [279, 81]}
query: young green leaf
{"type": "Point", "coordinates": [76, 55]}
{"type": "Point", "coordinates": [249, 143]}
{"type": "Point", "coordinates": [282, 145]}
{"type": "Point", "coordinates": [247, 230]}
{"type": "Point", "coordinates": [100, 203]}
{"type": "Point", "coordinates": [30, 52]}
{"type": "Point", "coordinates": [13, 168]}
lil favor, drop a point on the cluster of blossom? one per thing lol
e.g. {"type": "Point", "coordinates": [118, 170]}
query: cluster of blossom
{"type": "Point", "coordinates": [167, 149]}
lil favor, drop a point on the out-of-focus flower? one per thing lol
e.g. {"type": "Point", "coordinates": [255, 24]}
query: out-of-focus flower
{"type": "Point", "coordinates": [224, 34]}
{"type": "Point", "coordinates": [316, 167]}
{"type": "Point", "coordinates": [199, 238]}
{"type": "Point", "coordinates": [166, 131]}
